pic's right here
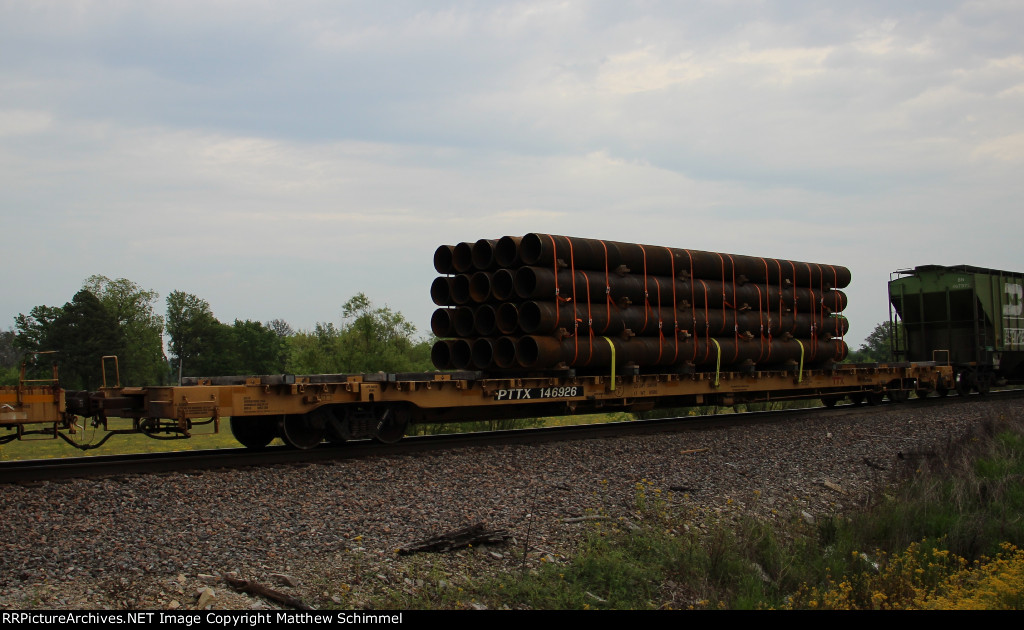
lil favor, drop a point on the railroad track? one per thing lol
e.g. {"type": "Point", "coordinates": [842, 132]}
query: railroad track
{"type": "Point", "coordinates": [39, 470]}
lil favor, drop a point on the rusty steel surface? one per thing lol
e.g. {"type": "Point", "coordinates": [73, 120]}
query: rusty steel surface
{"type": "Point", "coordinates": [543, 301]}
{"type": "Point", "coordinates": [585, 253]}
{"type": "Point", "coordinates": [256, 397]}
{"type": "Point", "coordinates": [27, 404]}
{"type": "Point", "coordinates": [314, 407]}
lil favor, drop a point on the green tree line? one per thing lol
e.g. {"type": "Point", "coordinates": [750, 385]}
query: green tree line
{"type": "Point", "coordinates": [877, 346]}
{"type": "Point", "coordinates": [119, 318]}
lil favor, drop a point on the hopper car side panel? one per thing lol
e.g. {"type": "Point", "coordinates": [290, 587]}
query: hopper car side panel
{"type": "Point", "coordinates": [972, 317]}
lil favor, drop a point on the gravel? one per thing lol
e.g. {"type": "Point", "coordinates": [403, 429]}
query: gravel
{"type": "Point", "coordinates": [327, 533]}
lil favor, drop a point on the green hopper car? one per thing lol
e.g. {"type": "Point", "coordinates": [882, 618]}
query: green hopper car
{"type": "Point", "coordinates": [969, 317]}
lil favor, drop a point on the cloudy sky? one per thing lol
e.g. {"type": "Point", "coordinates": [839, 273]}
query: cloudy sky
{"type": "Point", "coordinates": [277, 158]}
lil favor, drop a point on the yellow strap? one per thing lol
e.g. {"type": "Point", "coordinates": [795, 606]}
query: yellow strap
{"type": "Point", "coordinates": [718, 362]}
{"type": "Point", "coordinates": [612, 346]}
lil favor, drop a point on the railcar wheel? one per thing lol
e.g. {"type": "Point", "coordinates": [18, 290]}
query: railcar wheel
{"type": "Point", "coordinates": [302, 431]}
{"type": "Point", "coordinates": [874, 398]}
{"type": "Point", "coordinates": [922, 393]}
{"type": "Point", "coordinates": [941, 390]}
{"type": "Point", "coordinates": [391, 423]}
{"type": "Point", "coordinates": [830, 400]}
{"type": "Point", "coordinates": [896, 393]}
{"type": "Point", "coordinates": [983, 384]}
{"type": "Point", "coordinates": [963, 382]}
{"type": "Point", "coordinates": [254, 431]}
{"type": "Point", "coordinates": [857, 399]}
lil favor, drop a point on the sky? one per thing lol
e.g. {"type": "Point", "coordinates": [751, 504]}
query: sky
{"type": "Point", "coordinates": [277, 158]}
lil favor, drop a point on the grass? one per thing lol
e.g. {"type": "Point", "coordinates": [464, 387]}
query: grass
{"type": "Point", "coordinates": [42, 447]}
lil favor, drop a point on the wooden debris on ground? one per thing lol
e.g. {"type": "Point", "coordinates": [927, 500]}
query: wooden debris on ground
{"type": "Point", "coordinates": [255, 588]}
{"type": "Point", "coordinates": [581, 519]}
{"type": "Point", "coordinates": [833, 486]}
{"type": "Point", "coordinates": [472, 535]}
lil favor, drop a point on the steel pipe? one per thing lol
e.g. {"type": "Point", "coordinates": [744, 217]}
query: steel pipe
{"type": "Point", "coordinates": [505, 353]}
{"type": "Point", "coordinates": [537, 352]}
{"type": "Point", "coordinates": [541, 318]}
{"type": "Point", "coordinates": [483, 354]}
{"type": "Point", "coordinates": [480, 286]}
{"type": "Point", "coordinates": [460, 290]}
{"type": "Point", "coordinates": [443, 259]}
{"type": "Point", "coordinates": [462, 354]}
{"type": "Point", "coordinates": [485, 320]}
{"type": "Point", "coordinates": [462, 258]}
{"type": "Point", "coordinates": [464, 321]}
{"type": "Point", "coordinates": [532, 283]}
{"type": "Point", "coordinates": [442, 322]}
{"type": "Point", "coordinates": [483, 254]}
{"type": "Point", "coordinates": [506, 253]}
{"type": "Point", "coordinates": [503, 286]}
{"type": "Point", "coordinates": [507, 319]}
{"type": "Point", "coordinates": [441, 354]}
{"type": "Point", "coordinates": [441, 291]}
{"type": "Point", "coordinates": [596, 255]}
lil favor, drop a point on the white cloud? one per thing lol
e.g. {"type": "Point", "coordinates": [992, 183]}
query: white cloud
{"type": "Point", "coordinates": [23, 122]}
{"type": "Point", "coordinates": [276, 159]}
{"type": "Point", "coordinates": [1007, 149]}
{"type": "Point", "coordinates": [642, 71]}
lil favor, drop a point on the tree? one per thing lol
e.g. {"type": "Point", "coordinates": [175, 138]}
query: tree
{"type": "Point", "coordinates": [876, 347]}
{"type": "Point", "coordinates": [258, 349]}
{"type": "Point", "coordinates": [203, 346]}
{"type": "Point", "coordinates": [135, 335]}
{"type": "Point", "coordinates": [200, 345]}
{"type": "Point", "coordinates": [378, 339]}
{"type": "Point", "coordinates": [370, 339]}
{"type": "Point", "coordinates": [316, 352]}
{"type": "Point", "coordinates": [11, 357]}
{"type": "Point", "coordinates": [10, 354]}
{"type": "Point", "coordinates": [144, 362]}
{"type": "Point", "coordinates": [281, 328]}
{"type": "Point", "coordinates": [80, 333]}
{"type": "Point", "coordinates": [32, 328]}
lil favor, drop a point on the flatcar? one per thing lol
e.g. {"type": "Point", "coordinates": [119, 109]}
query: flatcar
{"type": "Point", "coordinates": [547, 325]}
{"type": "Point", "coordinates": [305, 410]}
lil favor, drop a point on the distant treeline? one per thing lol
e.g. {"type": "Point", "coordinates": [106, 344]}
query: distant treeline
{"type": "Point", "coordinates": [118, 317]}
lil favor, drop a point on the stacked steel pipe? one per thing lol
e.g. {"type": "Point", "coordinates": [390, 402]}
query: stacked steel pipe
{"type": "Point", "coordinates": [543, 301]}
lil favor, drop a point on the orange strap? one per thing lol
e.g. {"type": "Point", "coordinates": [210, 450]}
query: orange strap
{"type": "Point", "coordinates": [735, 313]}
{"type": "Point", "coordinates": [607, 290]}
{"type": "Point", "coordinates": [590, 321]}
{"type": "Point", "coordinates": [796, 299]}
{"type": "Point", "coordinates": [778, 266]}
{"type": "Point", "coordinates": [647, 302]}
{"type": "Point", "coordinates": [576, 323]}
{"type": "Point", "coordinates": [675, 311]}
{"type": "Point", "coordinates": [693, 305]}
{"type": "Point", "coordinates": [554, 265]}
{"type": "Point", "coordinates": [707, 326]}
{"type": "Point", "coordinates": [767, 303]}
{"type": "Point", "coordinates": [760, 319]}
